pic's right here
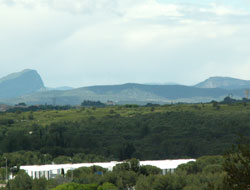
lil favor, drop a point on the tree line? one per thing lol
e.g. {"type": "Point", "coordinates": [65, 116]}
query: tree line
{"type": "Point", "coordinates": [155, 135]}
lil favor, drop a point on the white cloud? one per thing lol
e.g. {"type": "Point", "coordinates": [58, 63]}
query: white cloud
{"type": "Point", "coordinates": [225, 10]}
{"type": "Point", "coordinates": [111, 41]}
{"type": "Point", "coordinates": [151, 9]}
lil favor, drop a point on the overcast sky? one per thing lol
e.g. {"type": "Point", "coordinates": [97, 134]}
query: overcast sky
{"type": "Point", "coordinates": [87, 42]}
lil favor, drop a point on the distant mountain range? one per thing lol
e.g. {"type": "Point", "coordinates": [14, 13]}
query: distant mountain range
{"type": "Point", "coordinates": [27, 86]}
{"type": "Point", "coordinates": [224, 83]}
{"type": "Point", "coordinates": [59, 88]}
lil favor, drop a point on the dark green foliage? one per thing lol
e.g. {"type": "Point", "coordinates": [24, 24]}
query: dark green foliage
{"type": "Point", "coordinates": [62, 160]}
{"type": "Point", "coordinates": [25, 158]}
{"type": "Point", "coordinates": [122, 167]}
{"type": "Point", "coordinates": [87, 175]}
{"type": "Point", "coordinates": [152, 105]}
{"type": "Point", "coordinates": [131, 106]}
{"type": "Point", "coordinates": [134, 165]}
{"type": "Point", "coordinates": [31, 117]}
{"type": "Point", "coordinates": [167, 182]}
{"type": "Point", "coordinates": [107, 186]}
{"type": "Point", "coordinates": [150, 170]}
{"type": "Point", "coordinates": [6, 121]}
{"type": "Point", "coordinates": [204, 164]}
{"type": "Point", "coordinates": [130, 165]}
{"type": "Point", "coordinates": [171, 131]}
{"type": "Point", "coordinates": [75, 186]}
{"type": "Point", "coordinates": [88, 103]}
{"type": "Point", "coordinates": [204, 174]}
{"type": "Point", "coordinates": [237, 167]}
{"type": "Point", "coordinates": [145, 183]}
{"type": "Point", "coordinates": [40, 184]}
{"type": "Point", "coordinates": [21, 182]}
{"type": "Point", "coordinates": [2, 174]}
{"type": "Point", "coordinates": [158, 182]}
{"type": "Point", "coordinates": [228, 100]}
{"type": "Point", "coordinates": [21, 104]}
{"type": "Point", "coordinates": [123, 175]}
{"type": "Point", "coordinates": [19, 109]}
{"type": "Point", "coordinates": [52, 183]}
{"type": "Point", "coordinates": [152, 109]}
{"type": "Point", "coordinates": [33, 158]}
{"type": "Point", "coordinates": [111, 111]}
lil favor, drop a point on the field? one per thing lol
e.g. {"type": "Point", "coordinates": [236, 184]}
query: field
{"type": "Point", "coordinates": [53, 116]}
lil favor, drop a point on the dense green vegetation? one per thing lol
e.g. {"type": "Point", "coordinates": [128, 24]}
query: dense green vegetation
{"type": "Point", "coordinates": [91, 134]}
{"type": "Point", "coordinates": [206, 173]}
{"type": "Point", "coordinates": [121, 132]}
{"type": "Point", "coordinates": [230, 172]}
{"type": "Point", "coordinates": [89, 103]}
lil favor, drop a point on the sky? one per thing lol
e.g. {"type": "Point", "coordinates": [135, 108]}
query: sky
{"type": "Point", "coordinates": [94, 42]}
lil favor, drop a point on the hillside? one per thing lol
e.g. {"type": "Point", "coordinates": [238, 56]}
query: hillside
{"type": "Point", "coordinates": [21, 83]}
{"type": "Point", "coordinates": [224, 83]}
{"type": "Point", "coordinates": [121, 132]}
{"type": "Point", "coordinates": [129, 93]}
{"type": "Point", "coordinates": [27, 86]}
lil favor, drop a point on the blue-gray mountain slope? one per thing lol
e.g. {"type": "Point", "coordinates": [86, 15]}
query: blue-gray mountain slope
{"type": "Point", "coordinates": [224, 82]}
{"type": "Point", "coordinates": [129, 93]}
{"type": "Point", "coordinates": [25, 87]}
{"type": "Point", "coordinates": [166, 91]}
{"type": "Point", "coordinates": [19, 84]}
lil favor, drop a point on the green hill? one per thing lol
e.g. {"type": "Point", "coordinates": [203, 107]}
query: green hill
{"type": "Point", "coordinates": [121, 132]}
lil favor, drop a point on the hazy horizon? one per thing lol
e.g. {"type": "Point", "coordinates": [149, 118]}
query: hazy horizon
{"type": "Point", "coordinates": [89, 42]}
{"type": "Point", "coordinates": [149, 83]}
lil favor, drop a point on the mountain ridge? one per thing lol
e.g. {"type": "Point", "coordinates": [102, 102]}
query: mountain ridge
{"type": "Point", "coordinates": [129, 93]}
{"type": "Point", "coordinates": [120, 93]}
{"type": "Point", "coordinates": [20, 83]}
{"type": "Point", "coordinates": [224, 82]}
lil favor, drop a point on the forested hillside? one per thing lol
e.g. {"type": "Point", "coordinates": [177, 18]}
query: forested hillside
{"type": "Point", "coordinates": [122, 132]}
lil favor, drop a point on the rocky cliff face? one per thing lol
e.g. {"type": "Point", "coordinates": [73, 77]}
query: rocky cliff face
{"type": "Point", "coordinates": [21, 83]}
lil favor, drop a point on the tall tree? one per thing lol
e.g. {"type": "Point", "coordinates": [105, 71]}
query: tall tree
{"type": "Point", "coordinates": [237, 168]}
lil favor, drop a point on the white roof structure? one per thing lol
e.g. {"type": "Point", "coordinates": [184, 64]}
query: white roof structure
{"type": "Point", "coordinates": [166, 164]}
{"type": "Point", "coordinates": [107, 165]}
{"type": "Point", "coordinates": [37, 171]}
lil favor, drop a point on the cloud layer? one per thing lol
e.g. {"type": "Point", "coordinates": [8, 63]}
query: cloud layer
{"type": "Point", "coordinates": [86, 42]}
